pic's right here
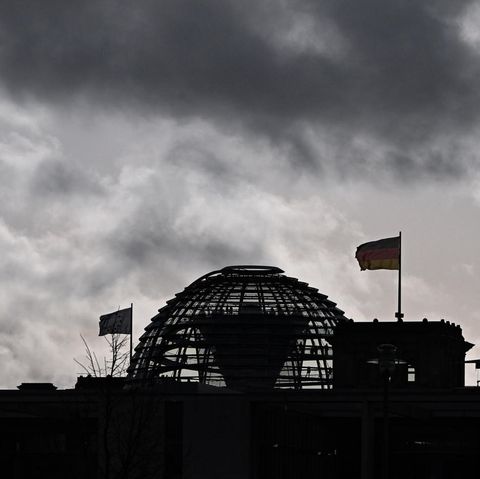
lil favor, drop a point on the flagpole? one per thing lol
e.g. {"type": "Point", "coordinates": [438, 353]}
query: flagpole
{"type": "Point", "coordinates": [131, 332]}
{"type": "Point", "coordinates": [399, 314]}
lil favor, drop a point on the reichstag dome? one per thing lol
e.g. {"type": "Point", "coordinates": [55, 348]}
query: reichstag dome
{"type": "Point", "coordinates": [244, 327]}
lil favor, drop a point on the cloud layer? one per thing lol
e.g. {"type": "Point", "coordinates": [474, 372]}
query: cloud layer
{"type": "Point", "coordinates": [399, 74]}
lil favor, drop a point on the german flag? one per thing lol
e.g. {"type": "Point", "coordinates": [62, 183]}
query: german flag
{"type": "Point", "coordinates": [380, 254]}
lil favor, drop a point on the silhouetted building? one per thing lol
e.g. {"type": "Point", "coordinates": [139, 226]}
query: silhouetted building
{"type": "Point", "coordinates": [433, 354]}
{"type": "Point", "coordinates": [250, 374]}
{"type": "Point", "coordinates": [246, 327]}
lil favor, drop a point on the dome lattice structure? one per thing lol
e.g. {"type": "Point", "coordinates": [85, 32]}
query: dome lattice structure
{"type": "Point", "coordinates": [244, 327]}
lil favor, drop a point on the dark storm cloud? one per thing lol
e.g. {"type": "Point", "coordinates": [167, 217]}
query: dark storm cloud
{"type": "Point", "coordinates": [184, 56]}
{"type": "Point", "coordinates": [402, 74]}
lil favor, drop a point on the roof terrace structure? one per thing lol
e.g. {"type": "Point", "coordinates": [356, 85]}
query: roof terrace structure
{"type": "Point", "coordinates": [432, 354]}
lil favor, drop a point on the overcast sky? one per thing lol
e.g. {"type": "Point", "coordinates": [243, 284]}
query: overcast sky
{"type": "Point", "coordinates": [143, 144]}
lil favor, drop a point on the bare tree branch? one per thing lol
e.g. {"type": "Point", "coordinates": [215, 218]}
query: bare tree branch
{"type": "Point", "coordinates": [114, 365]}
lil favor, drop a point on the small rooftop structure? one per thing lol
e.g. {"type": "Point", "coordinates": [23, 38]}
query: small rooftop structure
{"type": "Point", "coordinates": [37, 387]}
{"type": "Point", "coordinates": [244, 327]}
{"type": "Point", "coordinates": [431, 354]}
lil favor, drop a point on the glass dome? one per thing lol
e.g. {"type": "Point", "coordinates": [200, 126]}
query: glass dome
{"type": "Point", "coordinates": [244, 327]}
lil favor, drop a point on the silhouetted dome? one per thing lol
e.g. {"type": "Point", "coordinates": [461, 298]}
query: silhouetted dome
{"type": "Point", "coordinates": [246, 327]}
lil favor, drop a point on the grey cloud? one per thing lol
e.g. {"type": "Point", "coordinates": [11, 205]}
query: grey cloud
{"type": "Point", "coordinates": [192, 155]}
{"type": "Point", "coordinates": [183, 56]}
{"type": "Point", "coordinates": [404, 75]}
{"type": "Point", "coordinates": [151, 247]}
{"type": "Point", "coordinates": [409, 56]}
{"type": "Point", "coordinates": [61, 178]}
{"type": "Point", "coordinates": [436, 165]}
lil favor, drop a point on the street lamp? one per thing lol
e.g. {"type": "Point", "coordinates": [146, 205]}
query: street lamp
{"type": "Point", "coordinates": [387, 362]}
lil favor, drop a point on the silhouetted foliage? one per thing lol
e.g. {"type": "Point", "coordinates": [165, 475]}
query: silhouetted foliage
{"type": "Point", "coordinates": [115, 365]}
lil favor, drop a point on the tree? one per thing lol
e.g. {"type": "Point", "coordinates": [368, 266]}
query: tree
{"type": "Point", "coordinates": [115, 365]}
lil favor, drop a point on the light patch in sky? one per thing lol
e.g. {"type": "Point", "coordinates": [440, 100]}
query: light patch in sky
{"type": "Point", "coordinates": [296, 30]}
{"type": "Point", "coordinates": [469, 24]}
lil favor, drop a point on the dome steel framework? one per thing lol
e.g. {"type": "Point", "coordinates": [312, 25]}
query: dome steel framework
{"type": "Point", "coordinates": [244, 327]}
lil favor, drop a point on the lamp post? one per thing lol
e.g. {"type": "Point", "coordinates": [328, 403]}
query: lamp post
{"type": "Point", "coordinates": [387, 362]}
